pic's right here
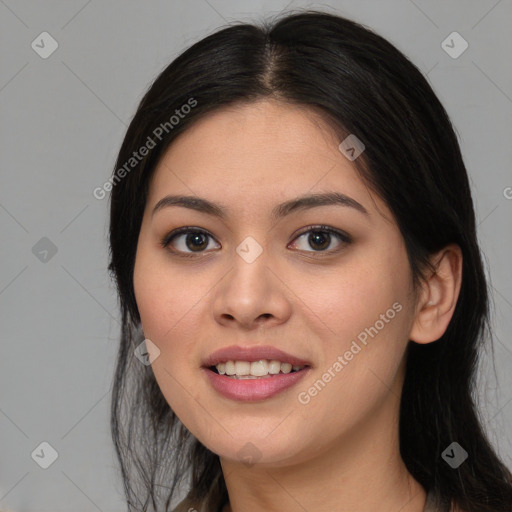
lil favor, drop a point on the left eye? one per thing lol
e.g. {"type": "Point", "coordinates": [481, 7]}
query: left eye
{"type": "Point", "coordinates": [320, 238]}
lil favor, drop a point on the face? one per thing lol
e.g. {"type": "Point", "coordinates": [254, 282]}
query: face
{"type": "Point", "coordinates": [326, 283]}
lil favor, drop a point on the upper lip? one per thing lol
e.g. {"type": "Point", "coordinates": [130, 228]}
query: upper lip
{"type": "Point", "coordinates": [252, 353]}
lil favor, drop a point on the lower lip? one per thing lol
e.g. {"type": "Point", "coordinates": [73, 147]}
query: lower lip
{"type": "Point", "coordinates": [252, 390]}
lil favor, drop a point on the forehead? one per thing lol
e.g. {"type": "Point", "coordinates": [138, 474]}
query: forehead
{"type": "Point", "coordinates": [254, 153]}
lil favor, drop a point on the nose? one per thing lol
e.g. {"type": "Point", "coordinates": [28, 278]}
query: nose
{"type": "Point", "coordinates": [251, 295]}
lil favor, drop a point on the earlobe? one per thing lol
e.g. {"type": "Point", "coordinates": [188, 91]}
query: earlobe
{"type": "Point", "coordinates": [438, 297]}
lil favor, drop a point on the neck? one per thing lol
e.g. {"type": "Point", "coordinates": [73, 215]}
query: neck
{"type": "Point", "coordinates": [360, 472]}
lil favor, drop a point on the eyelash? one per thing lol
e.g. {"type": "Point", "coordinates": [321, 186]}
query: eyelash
{"type": "Point", "coordinates": [342, 237]}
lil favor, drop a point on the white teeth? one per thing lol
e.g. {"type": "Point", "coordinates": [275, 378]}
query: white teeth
{"type": "Point", "coordinates": [274, 367]}
{"type": "Point", "coordinates": [254, 369]}
{"type": "Point", "coordinates": [286, 367]}
{"type": "Point", "coordinates": [259, 368]}
{"type": "Point", "coordinates": [230, 368]}
{"type": "Point", "coordinates": [242, 368]}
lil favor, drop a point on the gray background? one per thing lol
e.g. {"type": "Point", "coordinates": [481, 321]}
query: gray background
{"type": "Point", "coordinates": [62, 122]}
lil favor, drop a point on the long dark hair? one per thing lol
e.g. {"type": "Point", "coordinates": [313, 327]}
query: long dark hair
{"type": "Point", "coordinates": [361, 84]}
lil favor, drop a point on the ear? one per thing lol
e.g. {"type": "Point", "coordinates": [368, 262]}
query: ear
{"type": "Point", "coordinates": [438, 297]}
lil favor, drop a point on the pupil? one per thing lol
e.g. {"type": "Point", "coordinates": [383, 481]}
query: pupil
{"type": "Point", "coordinates": [317, 237]}
{"type": "Point", "coordinates": [194, 237]}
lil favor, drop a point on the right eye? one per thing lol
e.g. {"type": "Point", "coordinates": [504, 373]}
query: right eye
{"type": "Point", "coordinates": [187, 240]}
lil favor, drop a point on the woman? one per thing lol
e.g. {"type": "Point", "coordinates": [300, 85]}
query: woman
{"type": "Point", "coordinates": [293, 240]}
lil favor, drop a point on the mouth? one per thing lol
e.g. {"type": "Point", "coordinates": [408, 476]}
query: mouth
{"type": "Point", "coordinates": [253, 373]}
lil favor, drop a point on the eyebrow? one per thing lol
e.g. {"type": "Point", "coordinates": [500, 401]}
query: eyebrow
{"type": "Point", "coordinates": [281, 210]}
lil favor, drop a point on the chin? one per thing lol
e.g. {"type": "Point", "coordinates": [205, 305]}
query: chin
{"type": "Point", "coordinates": [253, 445]}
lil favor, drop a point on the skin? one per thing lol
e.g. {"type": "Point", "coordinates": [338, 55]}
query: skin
{"type": "Point", "coordinates": [310, 302]}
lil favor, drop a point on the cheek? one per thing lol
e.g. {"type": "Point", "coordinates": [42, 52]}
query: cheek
{"type": "Point", "coordinates": [361, 320]}
{"type": "Point", "coordinates": [354, 298]}
{"type": "Point", "coordinates": [165, 297]}
{"type": "Point", "coordinates": [172, 306]}
{"type": "Point", "coordinates": [170, 312]}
